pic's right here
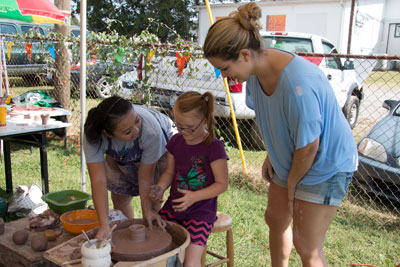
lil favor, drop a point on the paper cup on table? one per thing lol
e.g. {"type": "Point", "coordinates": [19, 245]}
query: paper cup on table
{"type": "Point", "coordinates": [45, 118]}
{"type": "Point", "coordinates": [3, 115]}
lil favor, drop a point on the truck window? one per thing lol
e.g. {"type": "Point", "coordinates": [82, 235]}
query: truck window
{"type": "Point", "coordinates": [331, 62]}
{"type": "Point", "coordinates": [397, 111]}
{"type": "Point", "coordinates": [76, 33]}
{"type": "Point", "coordinates": [289, 44]}
{"type": "Point", "coordinates": [8, 29]}
{"type": "Point", "coordinates": [26, 29]}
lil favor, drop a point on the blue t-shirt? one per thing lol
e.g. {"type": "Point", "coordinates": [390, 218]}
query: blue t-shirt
{"type": "Point", "coordinates": [303, 108]}
{"type": "Point", "coordinates": [193, 172]}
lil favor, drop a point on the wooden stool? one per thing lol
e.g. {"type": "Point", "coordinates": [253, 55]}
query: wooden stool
{"type": "Point", "coordinates": [223, 224]}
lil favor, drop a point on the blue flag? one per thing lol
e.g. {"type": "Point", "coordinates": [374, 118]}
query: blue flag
{"type": "Point", "coordinates": [51, 49]}
{"type": "Point", "coordinates": [217, 72]}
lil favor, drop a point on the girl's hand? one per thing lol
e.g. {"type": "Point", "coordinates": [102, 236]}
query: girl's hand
{"type": "Point", "coordinates": [152, 216]}
{"type": "Point", "coordinates": [103, 232]}
{"type": "Point", "coordinates": [267, 170]}
{"type": "Point", "coordinates": [156, 194]}
{"type": "Point", "coordinates": [184, 202]}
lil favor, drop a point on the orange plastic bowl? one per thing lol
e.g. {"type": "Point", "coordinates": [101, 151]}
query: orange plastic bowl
{"type": "Point", "coordinates": [77, 220]}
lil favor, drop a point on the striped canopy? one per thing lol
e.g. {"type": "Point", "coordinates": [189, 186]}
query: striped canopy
{"type": "Point", "coordinates": [32, 11]}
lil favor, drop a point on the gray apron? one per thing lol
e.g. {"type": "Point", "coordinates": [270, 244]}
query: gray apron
{"type": "Point", "coordinates": [122, 170]}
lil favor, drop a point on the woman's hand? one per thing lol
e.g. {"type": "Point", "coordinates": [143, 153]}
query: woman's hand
{"type": "Point", "coordinates": [184, 202]}
{"type": "Point", "coordinates": [103, 232]}
{"type": "Point", "coordinates": [291, 196]}
{"type": "Point", "coordinates": [156, 194]}
{"type": "Point", "coordinates": [151, 216]}
{"type": "Point", "coordinates": [267, 170]}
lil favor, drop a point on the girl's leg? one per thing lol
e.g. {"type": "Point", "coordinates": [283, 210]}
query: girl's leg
{"type": "Point", "coordinates": [193, 255]}
{"type": "Point", "coordinates": [199, 232]}
{"type": "Point", "coordinates": [310, 224]}
{"type": "Point", "coordinates": [123, 203]}
{"type": "Point", "coordinates": [278, 218]}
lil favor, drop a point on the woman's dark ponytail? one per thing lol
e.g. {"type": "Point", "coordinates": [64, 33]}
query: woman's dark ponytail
{"type": "Point", "coordinates": [105, 117]}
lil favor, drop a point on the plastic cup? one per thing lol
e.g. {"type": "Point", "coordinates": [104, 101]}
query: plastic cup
{"type": "Point", "coordinates": [3, 115]}
{"type": "Point", "coordinates": [45, 118]}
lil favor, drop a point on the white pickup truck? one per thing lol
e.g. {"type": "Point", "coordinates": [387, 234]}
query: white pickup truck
{"type": "Point", "coordinates": [199, 75]}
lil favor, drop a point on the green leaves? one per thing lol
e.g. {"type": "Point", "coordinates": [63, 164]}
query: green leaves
{"type": "Point", "coordinates": [132, 17]}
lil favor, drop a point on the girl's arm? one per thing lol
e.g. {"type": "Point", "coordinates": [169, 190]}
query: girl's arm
{"type": "Point", "coordinates": [98, 181]}
{"type": "Point", "coordinates": [168, 174]}
{"type": "Point", "coordinates": [220, 170]}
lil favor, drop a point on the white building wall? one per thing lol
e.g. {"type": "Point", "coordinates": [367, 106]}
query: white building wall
{"type": "Point", "coordinates": [391, 16]}
{"type": "Point", "coordinates": [327, 18]}
{"type": "Point", "coordinates": [309, 17]}
{"type": "Point", "coordinates": [367, 27]}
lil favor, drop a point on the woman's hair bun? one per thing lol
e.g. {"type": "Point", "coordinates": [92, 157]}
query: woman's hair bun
{"type": "Point", "coordinates": [248, 16]}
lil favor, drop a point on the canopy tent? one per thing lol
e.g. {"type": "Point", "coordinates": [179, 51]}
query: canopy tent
{"type": "Point", "coordinates": [44, 11]}
{"type": "Point", "coordinates": [38, 11]}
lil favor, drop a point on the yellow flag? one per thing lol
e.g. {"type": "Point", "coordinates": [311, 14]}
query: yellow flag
{"type": "Point", "coordinates": [9, 49]}
{"type": "Point", "coordinates": [150, 56]}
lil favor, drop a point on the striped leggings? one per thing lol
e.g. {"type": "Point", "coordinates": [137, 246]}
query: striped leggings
{"type": "Point", "coordinates": [199, 231]}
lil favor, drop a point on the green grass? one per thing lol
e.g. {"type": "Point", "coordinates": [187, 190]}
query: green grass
{"type": "Point", "coordinates": [389, 78]}
{"type": "Point", "coordinates": [357, 235]}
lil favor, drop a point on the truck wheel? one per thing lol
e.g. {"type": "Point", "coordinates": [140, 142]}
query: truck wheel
{"type": "Point", "coordinates": [351, 110]}
{"type": "Point", "coordinates": [103, 88]}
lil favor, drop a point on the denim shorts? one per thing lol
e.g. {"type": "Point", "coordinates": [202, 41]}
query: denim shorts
{"type": "Point", "coordinates": [331, 192]}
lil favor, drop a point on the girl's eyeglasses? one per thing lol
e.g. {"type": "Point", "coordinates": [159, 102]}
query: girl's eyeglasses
{"type": "Point", "coordinates": [189, 130]}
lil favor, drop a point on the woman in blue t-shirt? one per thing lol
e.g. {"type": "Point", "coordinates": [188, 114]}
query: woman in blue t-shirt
{"type": "Point", "coordinates": [311, 149]}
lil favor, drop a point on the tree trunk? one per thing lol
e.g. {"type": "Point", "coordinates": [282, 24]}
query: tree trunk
{"type": "Point", "coordinates": [62, 79]}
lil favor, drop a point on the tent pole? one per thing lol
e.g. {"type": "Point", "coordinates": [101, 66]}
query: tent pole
{"type": "Point", "coordinates": [83, 90]}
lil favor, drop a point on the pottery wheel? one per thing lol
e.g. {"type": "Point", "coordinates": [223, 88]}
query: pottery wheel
{"type": "Point", "coordinates": [138, 243]}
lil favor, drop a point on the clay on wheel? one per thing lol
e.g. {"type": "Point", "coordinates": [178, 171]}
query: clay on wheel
{"type": "Point", "coordinates": [138, 243]}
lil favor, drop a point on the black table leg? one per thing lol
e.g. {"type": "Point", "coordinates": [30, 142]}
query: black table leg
{"type": "Point", "coordinates": [7, 166]}
{"type": "Point", "coordinates": [43, 163]}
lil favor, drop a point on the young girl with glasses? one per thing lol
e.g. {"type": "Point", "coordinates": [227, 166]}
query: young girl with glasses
{"type": "Point", "coordinates": [125, 152]}
{"type": "Point", "coordinates": [197, 172]}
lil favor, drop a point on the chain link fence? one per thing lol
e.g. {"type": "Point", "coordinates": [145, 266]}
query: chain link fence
{"type": "Point", "coordinates": [361, 84]}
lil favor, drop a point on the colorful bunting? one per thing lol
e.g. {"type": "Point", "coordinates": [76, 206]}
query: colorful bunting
{"type": "Point", "coordinates": [150, 56]}
{"type": "Point", "coordinates": [140, 67]}
{"type": "Point", "coordinates": [51, 50]}
{"type": "Point", "coordinates": [181, 61]}
{"type": "Point", "coordinates": [9, 46]}
{"type": "Point", "coordinates": [217, 72]}
{"type": "Point", "coordinates": [119, 55]}
{"type": "Point", "coordinates": [92, 51]}
{"type": "Point", "coordinates": [28, 48]}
